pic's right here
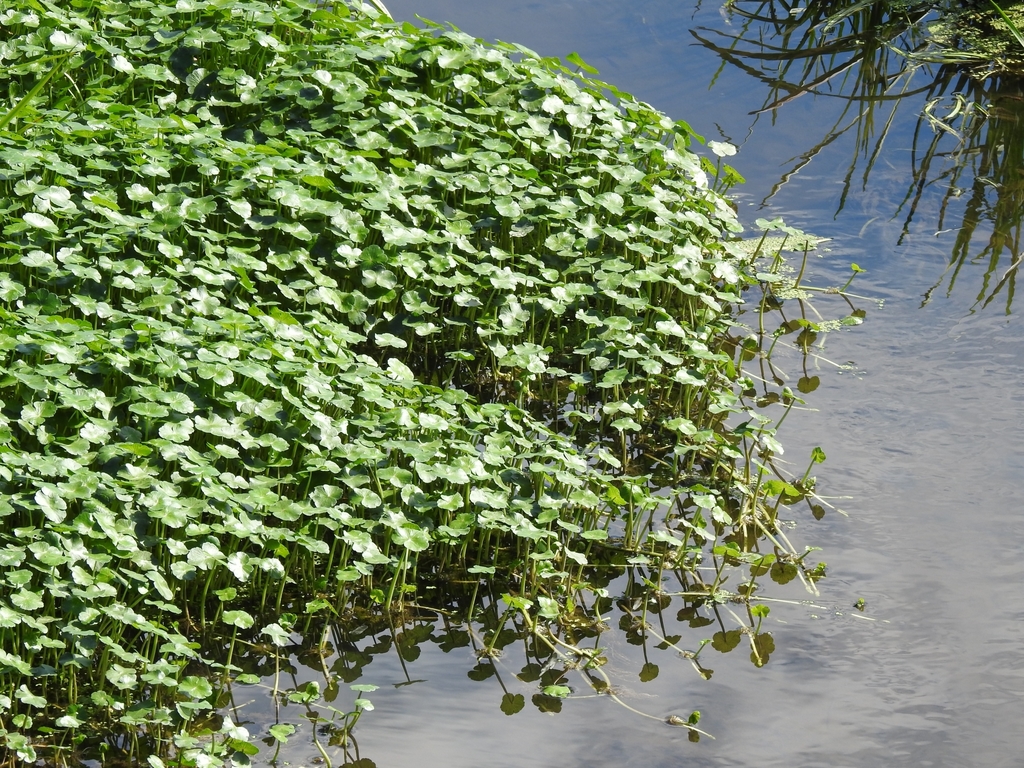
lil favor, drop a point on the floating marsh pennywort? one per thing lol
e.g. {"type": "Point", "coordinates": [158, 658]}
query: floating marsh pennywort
{"type": "Point", "coordinates": [302, 311]}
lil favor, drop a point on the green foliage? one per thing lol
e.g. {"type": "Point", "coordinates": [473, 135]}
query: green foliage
{"type": "Point", "coordinates": [296, 304]}
{"type": "Point", "coordinates": [984, 38]}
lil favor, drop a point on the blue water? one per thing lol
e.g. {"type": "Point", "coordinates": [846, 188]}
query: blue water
{"type": "Point", "coordinates": [924, 442]}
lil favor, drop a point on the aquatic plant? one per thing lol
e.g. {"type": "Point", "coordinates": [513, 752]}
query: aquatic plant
{"type": "Point", "coordinates": [983, 38]}
{"type": "Point", "coordinates": [302, 308]}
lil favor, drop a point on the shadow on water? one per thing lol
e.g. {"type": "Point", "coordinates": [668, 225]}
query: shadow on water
{"type": "Point", "coordinates": [883, 58]}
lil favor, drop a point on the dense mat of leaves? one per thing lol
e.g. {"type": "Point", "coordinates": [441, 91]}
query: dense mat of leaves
{"type": "Point", "coordinates": [294, 301]}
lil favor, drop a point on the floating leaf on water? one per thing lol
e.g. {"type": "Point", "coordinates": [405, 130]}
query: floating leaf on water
{"type": "Point", "coordinates": [281, 731]}
{"type": "Point", "coordinates": [306, 694]}
{"type": "Point", "coordinates": [726, 641]}
{"type": "Point", "coordinates": [808, 384]}
{"type": "Point", "coordinates": [558, 691]}
{"type": "Point", "coordinates": [546, 703]}
{"type": "Point", "coordinates": [648, 672]}
{"type": "Point", "coordinates": [512, 703]}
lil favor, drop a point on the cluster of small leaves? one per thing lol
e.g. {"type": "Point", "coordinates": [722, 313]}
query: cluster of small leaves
{"type": "Point", "coordinates": [983, 38]}
{"type": "Point", "coordinates": [292, 297]}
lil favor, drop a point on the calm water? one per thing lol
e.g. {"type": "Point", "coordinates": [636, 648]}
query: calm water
{"type": "Point", "coordinates": [924, 441]}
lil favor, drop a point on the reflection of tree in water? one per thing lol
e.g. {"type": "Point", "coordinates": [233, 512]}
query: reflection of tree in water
{"type": "Point", "coordinates": [968, 145]}
{"type": "Point", "coordinates": [984, 166]}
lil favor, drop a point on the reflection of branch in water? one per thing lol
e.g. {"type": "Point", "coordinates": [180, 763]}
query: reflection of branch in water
{"type": "Point", "coordinates": [991, 149]}
{"type": "Point", "coordinates": [870, 51]}
{"type": "Point", "coordinates": [861, 50]}
{"type": "Point", "coordinates": [604, 686]}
